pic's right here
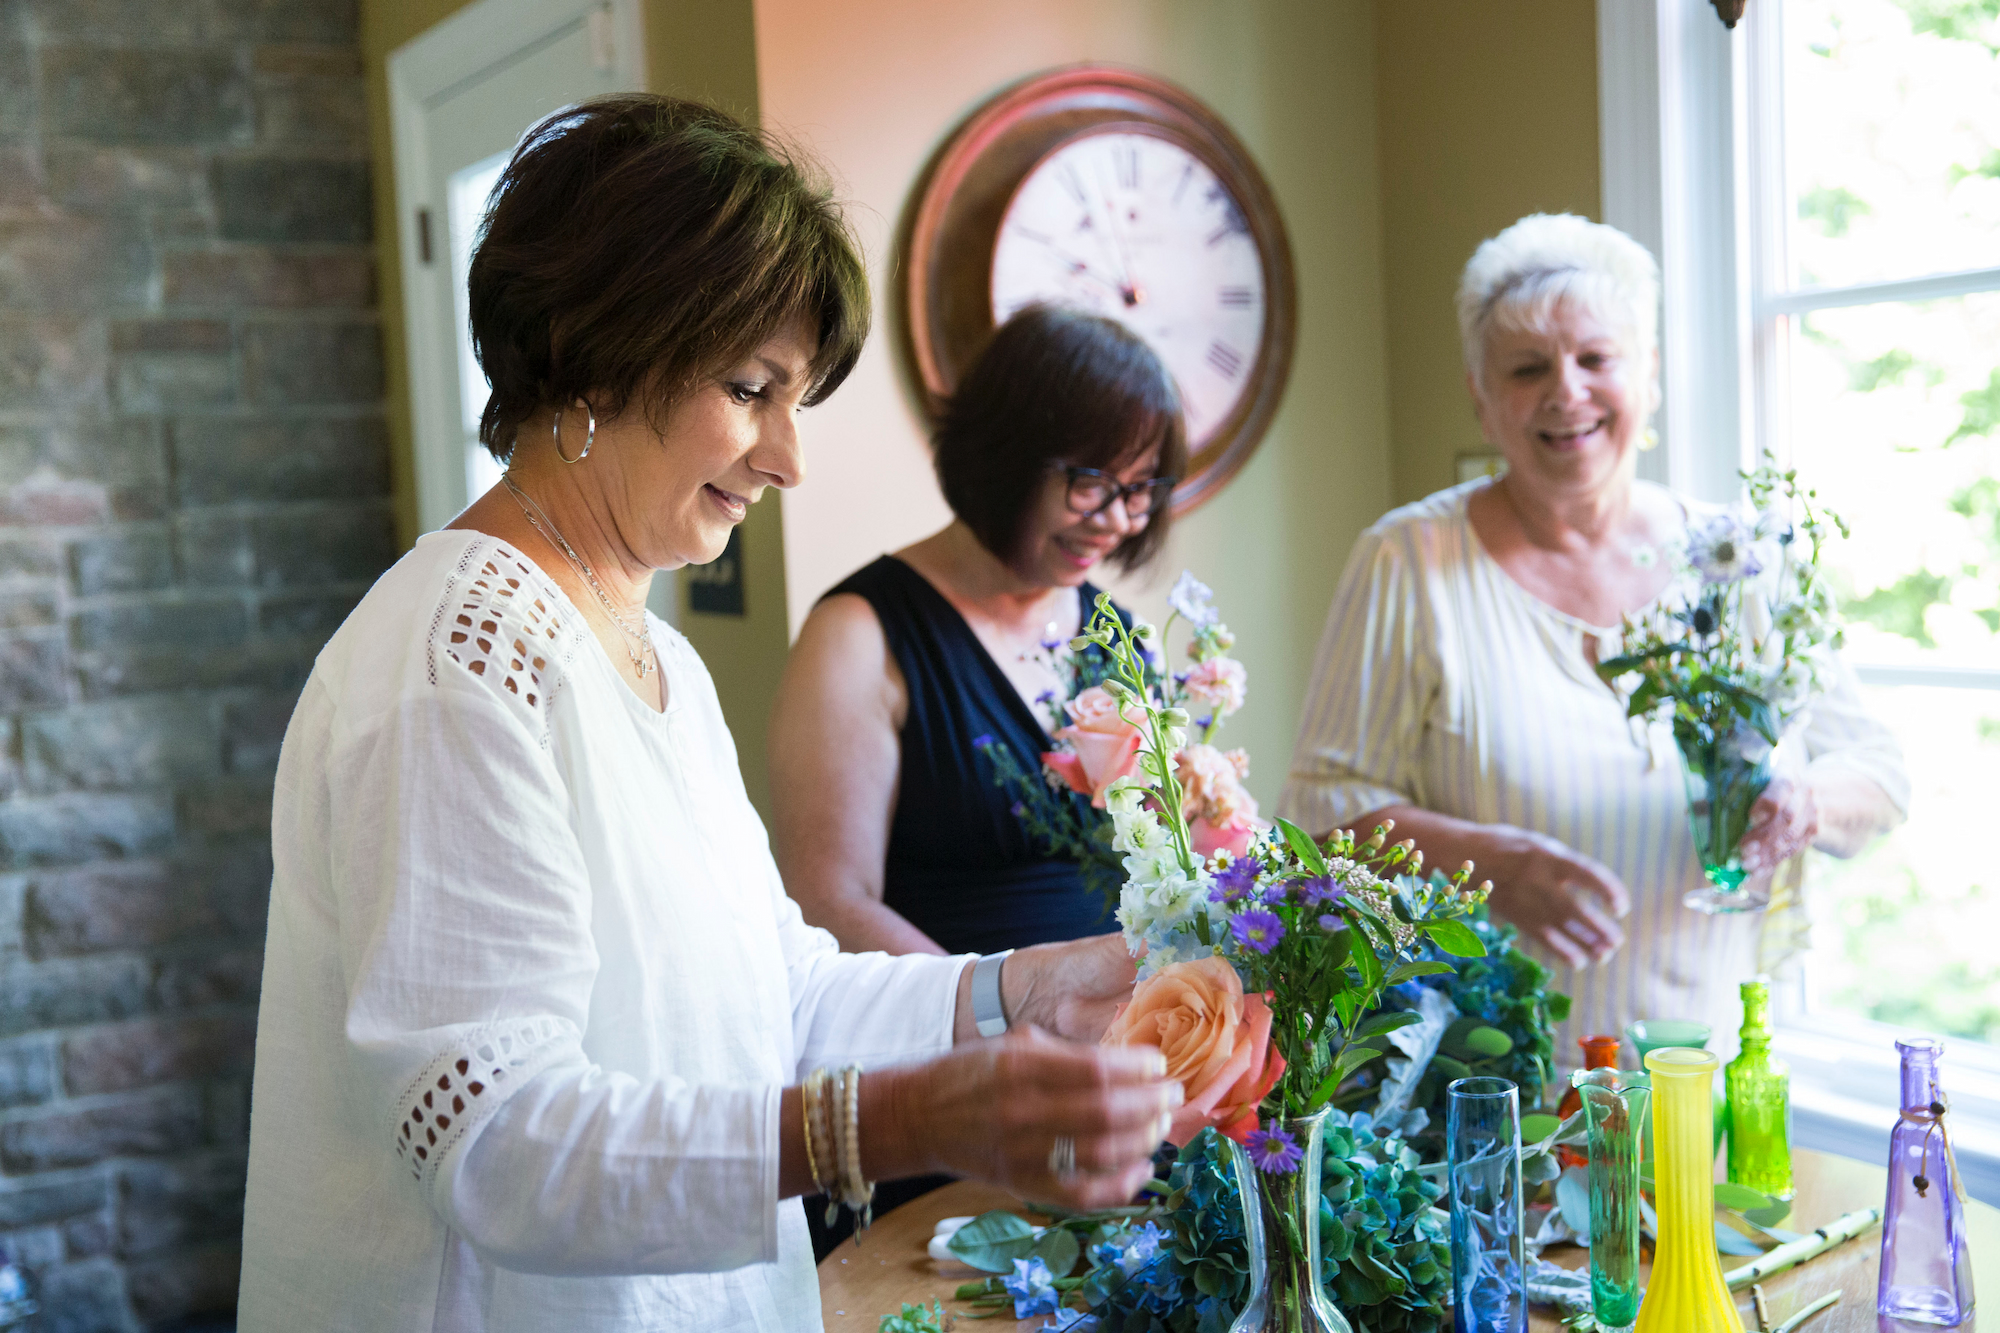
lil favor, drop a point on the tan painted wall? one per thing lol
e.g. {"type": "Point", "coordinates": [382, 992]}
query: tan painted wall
{"type": "Point", "coordinates": [1488, 112]}
{"type": "Point", "coordinates": [1395, 135]}
{"type": "Point", "coordinates": [695, 48]}
{"type": "Point", "coordinates": [874, 85]}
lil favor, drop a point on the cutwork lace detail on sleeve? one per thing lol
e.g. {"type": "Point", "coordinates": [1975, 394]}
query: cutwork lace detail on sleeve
{"type": "Point", "coordinates": [503, 621]}
{"type": "Point", "coordinates": [467, 1082]}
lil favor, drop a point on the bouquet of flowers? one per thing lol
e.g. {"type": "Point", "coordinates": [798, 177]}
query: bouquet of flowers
{"type": "Point", "coordinates": [1261, 964]}
{"type": "Point", "coordinates": [1098, 742]}
{"type": "Point", "coordinates": [1732, 653]}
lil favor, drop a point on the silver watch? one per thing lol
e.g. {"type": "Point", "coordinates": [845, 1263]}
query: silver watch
{"type": "Point", "coordinates": [987, 1011]}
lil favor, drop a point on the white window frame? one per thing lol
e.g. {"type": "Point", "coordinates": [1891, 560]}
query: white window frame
{"type": "Point", "coordinates": [1691, 166]}
{"type": "Point", "coordinates": [464, 46]}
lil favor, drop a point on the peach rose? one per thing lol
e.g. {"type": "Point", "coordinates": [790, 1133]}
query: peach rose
{"type": "Point", "coordinates": [1104, 744]}
{"type": "Point", "coordinates": [1217, 1041]}
{"type": "Point", "coordinates": [1221, 814]}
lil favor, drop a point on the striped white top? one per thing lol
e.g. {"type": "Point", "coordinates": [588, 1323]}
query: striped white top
{"type": "Point", "coordinates": [1443, 683]}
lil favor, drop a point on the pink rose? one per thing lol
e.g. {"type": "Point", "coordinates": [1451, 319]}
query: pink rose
{"type": "Point", "coordinates": [1104, 744]}
{"type": "Point", "coordinates": [1221, 814]}
{"type": "Point", "coordinates": [1218, 684]}
{"type": "Point", "coordinates": [1217, 1041]}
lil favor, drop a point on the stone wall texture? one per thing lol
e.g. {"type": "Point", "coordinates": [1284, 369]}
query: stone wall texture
{"type": "Point", "coordinates": [193, 493]}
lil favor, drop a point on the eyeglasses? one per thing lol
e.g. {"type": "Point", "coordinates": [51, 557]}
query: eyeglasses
{"type": "Point", "coordinates": [1092, 492]}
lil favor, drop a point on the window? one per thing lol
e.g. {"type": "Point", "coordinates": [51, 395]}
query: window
{"type": "Point", "coordinates": [1823, 189]}
{"type": "Point", "coordinates": [1877, 299]}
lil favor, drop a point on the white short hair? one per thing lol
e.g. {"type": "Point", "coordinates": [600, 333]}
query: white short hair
{"type": "Point", "coordinates": [1517, 279]}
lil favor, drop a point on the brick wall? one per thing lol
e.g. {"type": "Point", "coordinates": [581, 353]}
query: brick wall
{"type": "Point", "coordinates": [193, 480]}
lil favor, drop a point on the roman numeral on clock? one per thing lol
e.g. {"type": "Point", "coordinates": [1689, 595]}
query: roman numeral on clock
{"type": "Point", "coordinates": [1226, 359]}
{"type": "Point", "coordinates": [1238, 298]}
{"type": "Point", "coordinates": [1128, 167]}
{"type": "Point", "coordinates": [1073, 183]}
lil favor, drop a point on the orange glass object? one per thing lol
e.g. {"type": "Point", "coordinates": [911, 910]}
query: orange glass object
{"type": "Point", "coordinates": [1686, 1293]}
{"type": "Point", "coordinates": [1598, 1053]}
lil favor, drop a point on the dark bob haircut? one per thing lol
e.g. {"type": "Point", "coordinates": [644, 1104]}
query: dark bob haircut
{"type": "Point", "coordinates": [1055, 386]}
{"type": "Point", "coordinates": [638, 245]}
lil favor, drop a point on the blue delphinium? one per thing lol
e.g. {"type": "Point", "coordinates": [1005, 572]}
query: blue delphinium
{"type": "Point", "coordinates": [1033, 1288]}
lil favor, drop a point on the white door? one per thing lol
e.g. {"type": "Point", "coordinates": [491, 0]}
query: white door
{"type": "Point", "coordinates": [462, 95]}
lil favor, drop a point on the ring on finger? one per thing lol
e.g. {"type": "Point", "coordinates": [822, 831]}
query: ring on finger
{"type": "Point", "coordinates": [1062, 1158]}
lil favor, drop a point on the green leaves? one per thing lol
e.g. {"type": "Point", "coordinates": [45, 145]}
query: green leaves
{"type": "Point", "coordinates": [1740, 1197]}
{"type": "Point", "coordinates": [992, 1242]}
{"type": "Point", "coordinates": [1303, 847]}
{"type": "Point", "coordinates": [1456, 938]}
{"type": "Point", "coordinates": [1408, 970]}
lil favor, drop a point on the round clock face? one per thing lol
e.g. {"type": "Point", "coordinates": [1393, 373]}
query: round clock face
{"type": "Point", "coordinates": [1124, 222]}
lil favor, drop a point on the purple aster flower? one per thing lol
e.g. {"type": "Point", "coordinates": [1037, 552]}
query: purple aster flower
{"type": "Point", "coordinates": [1260, 931]}
{"type": "Point", "coordinates": [982, 742]}
{"type": "Point", "coordinates": [1274, 1152]}
{"type": "Point", "coordinates": [1330, 922]}
{"type": "Point", "coordinates": [1033, 1288]}
{"type": "Point", "coordinates": [1320, 889]}
{"type": "Point", "coordinates": [1235, 881]}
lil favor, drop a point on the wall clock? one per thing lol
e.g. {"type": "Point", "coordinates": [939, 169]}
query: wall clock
{"type": "Point", "coordinates": [1118, 193]}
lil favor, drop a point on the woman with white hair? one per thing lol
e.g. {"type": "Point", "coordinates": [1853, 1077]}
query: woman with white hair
{"type": "Point", "coordinates": [1455, 691]}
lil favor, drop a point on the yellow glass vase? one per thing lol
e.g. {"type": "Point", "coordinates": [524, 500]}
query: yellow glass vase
{"type": "Point", "coordinates": [1686, 1293]}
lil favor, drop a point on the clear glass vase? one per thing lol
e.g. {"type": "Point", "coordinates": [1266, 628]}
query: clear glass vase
{"type": "Point", "coordinates": [1618, 1110]}
{"type": "Point", "coordinates": [1686, 1293]}
{"type": "Point", "coordinates": [1281, 1224]}
{"type": "Point", "coordinates": [1489, 1276]}
{"type": "Point", "coordinates": [1725, 777]}
{"type": "Point", "coordinates": [1926, 1275]}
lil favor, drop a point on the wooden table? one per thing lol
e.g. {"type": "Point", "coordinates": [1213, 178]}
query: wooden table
{"type": "Point", "coordinates": [860, 1284]}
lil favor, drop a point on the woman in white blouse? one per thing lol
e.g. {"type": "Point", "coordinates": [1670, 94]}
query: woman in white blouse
{"type": "Point", "coordinates": [536, 1008]}
{"type": "Point", "coordinates": [1455, 691]}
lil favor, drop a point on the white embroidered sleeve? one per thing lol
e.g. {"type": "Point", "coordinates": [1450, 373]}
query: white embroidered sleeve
{"type": "Point", "coordinates": [465, 911]}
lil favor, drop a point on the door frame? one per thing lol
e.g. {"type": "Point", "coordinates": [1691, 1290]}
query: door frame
{"type": "Point", "coordinates": [474, 39]}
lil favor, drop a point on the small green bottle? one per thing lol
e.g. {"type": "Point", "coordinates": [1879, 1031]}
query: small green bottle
{"type": "Point", "coordinates": [1760, 1102]}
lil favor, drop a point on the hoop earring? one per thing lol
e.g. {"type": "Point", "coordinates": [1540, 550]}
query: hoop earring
{"type": "Point", "coordinates": [589, 438]}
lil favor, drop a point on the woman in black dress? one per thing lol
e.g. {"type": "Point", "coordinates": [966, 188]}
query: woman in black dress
{"type": "Point", "coordinates": [1058, 452]}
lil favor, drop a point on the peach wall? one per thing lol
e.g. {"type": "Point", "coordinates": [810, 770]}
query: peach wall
{"type": "Point", "coordinates": [873, 86]}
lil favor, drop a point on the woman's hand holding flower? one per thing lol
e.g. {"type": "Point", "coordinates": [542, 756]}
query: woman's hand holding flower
{"type": "Point", "coordinates": [1216, 1040]}
{"type": "Point", "coordinates": [993, 1110]}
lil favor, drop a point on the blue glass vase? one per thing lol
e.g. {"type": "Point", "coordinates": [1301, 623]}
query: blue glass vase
{"type": "Point", "coordinates": [1489, 1280]}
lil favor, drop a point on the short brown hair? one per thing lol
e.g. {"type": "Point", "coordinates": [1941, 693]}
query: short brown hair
{"type": "Point", "coordinates": [637, 245]}
{"type": "Point", "coordinates": [1055, 386]}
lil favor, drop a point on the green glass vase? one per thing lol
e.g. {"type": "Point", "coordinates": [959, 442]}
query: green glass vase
{"type": "Point", "coordinates": [1617, 1107]}
{"type": "Point", "coordinates": [1760, 1102]}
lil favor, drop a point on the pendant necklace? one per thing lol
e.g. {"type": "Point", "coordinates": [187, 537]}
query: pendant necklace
{"type": "Point", "coordinates": [638, 643]}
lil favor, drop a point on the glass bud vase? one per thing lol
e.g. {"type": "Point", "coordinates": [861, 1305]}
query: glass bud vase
{"type": "Point", "coordinates": [1686, 1293]}
{"type": "Point", "coordinates": [1760, 1102]}
{"type": "Point", "coordinates": [1489, 1276]}
{"type": "Point", "coordinates": [1618, 1110]}
{"type": "Point", "coordinates": [1926, 1275]}
{"type": "Point", "coordinates": [1724, 779]}
{"type": "Point", "coordinates": [1281, 1225]}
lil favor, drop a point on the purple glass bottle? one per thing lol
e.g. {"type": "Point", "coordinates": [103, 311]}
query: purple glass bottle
{"type": "Point", "coordinates": [1926, 1274]}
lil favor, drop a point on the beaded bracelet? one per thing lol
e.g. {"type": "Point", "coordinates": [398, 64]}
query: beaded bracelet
{"type": "Point", "coordinates": [812, 1095]}
{"type": "Point", "coordinates": [857, 1193]}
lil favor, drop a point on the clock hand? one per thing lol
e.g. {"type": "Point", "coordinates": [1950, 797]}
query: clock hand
{"type": "Point", "coordinates": [1129, 290]}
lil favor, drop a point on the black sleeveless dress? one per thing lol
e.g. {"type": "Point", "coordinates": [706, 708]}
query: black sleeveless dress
{"type": "Point", "coordinates": [960, 868]}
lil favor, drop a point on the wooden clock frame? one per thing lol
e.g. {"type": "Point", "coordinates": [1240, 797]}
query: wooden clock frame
{"type": "Point", "coordinates": [947, 260]}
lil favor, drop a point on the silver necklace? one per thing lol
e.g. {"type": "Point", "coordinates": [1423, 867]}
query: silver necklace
{"type": "Point", "coordinates": [638, 643]}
